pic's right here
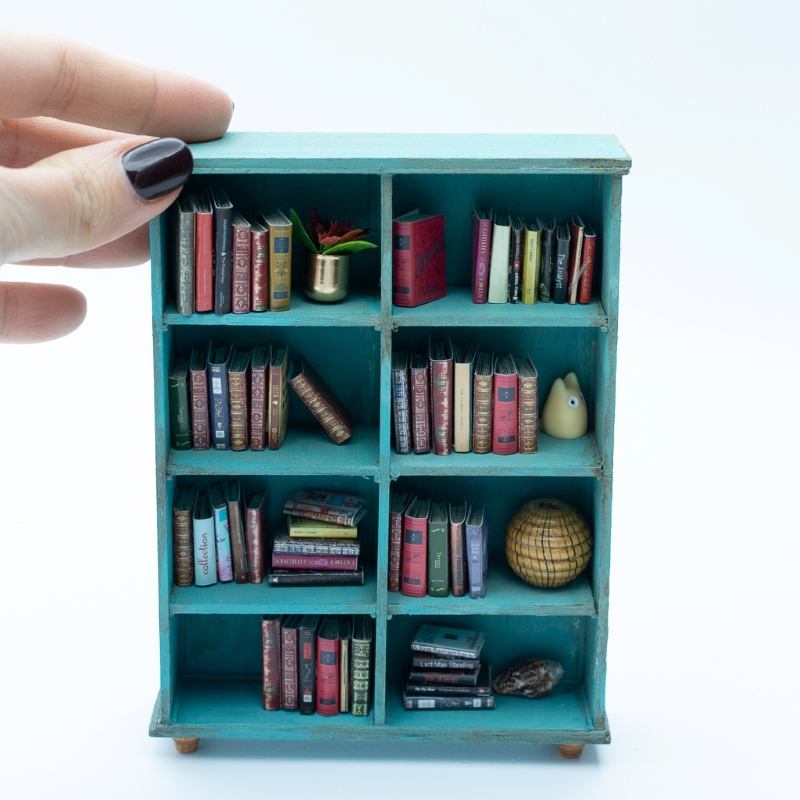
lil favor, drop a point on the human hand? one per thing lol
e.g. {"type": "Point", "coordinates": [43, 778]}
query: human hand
{"type": "Point", "coordinates": [80, 172]}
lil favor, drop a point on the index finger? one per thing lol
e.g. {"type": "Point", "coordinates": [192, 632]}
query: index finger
{"type": "Point", "coordinates": [53, 77]}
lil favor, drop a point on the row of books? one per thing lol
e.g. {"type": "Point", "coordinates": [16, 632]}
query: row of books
{"type": "Point", "coordinates": [224, 262]}
{"type": "Point", "coordinates": [446, 671]}
{"type": "Point", "coordinates": [435, 549]}
{"type": "Point", "coordinates": [460, 399]}
{"type": "Point", "coordinates": [314, 664]}
{"type": "Point", "coordinates": [227, 399]}
{"type": "Point", "coordinates": [516, 261]}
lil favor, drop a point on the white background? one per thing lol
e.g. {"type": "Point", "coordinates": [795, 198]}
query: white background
{"type": "Point", "coordinates": [702, 665]}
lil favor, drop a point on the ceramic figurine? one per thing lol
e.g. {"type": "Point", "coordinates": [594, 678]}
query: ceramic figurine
{"type": "Point", "coordinates": [531, 678]}
{"type": "Point", "coordinates": [564, 415]}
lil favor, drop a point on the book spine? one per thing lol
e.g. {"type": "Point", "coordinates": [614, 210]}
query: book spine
{"type": "Point", "coordinates": [237, 388]}
{"type": "Point", "coordinates": [280, 268]}
{"type": "Point", "coordinates": [438, 577]}
{"type": "Point", "coordinates": [481, 250]}
{"type": "Point", "coordinates": [515, 265]}
{"type": "Point", "coordinates": [421, 662]}
{"type": "Point", "coordinates": [223, 218]}
{"type": "Point", "coordinates": [530, 269]}
{"type": "Point", "coordinates": [310, 578]}
{"type": "Point", "coordinates": [470, 678]}
{"type": "Point", "coordinates": [259, 286]}
{"type": "Point", "coordinates": [420, 395]}
{"type": "Point", "coordinates": [322, 410]}
{"type": "Point", "coordinates": [504, 423]}
{"type": "Point", "coordinates": [448, 652]}
{"type": "Point", "coordinates": [458, 567]}
{"type": "Point", "coordinates": [218, 377]}
{"type": "Point", "coordinates": [361, 680]}
{"type": "Point", "coordinates": [289, 671]}
{"type": "Point", "coordinates": [395, 550]}
{"type": "Point", "coordinates": [182, 548]}
{"type": "Point", "coordinates": [180, 417]}
{"type": "Point", "coordinates": [477, 560]}
{"type": "Point", "coordinates": [331, 547]}
{"type": "Point", "coordinates": [442, 406]}
{"type": "Point", "coordinates": [300, 510]}
{"type": "Point", "coordinates": [587, 267]}
{"type": "Point", "coordinates": [276, 405]}
{"type": "Point", "coordinates": [184, 294]}
{"type": "Point", "coordinates": [528, 415]}
{"type": "Point", "coordinates": [561, 267]}
{"type": "Point", "coordinates": [482, 414]}
{"type": "Point", "coordinates": [222, 540]}
{"type": "Point", "coordinates": [238, 552]}
{"type": "Point", "coordinates": [308, 663]}
{"type": "Point", "coordinates": [448, 703]}
{"type": "Point", "coordinates": [200, 439]}
{"type": "Point", "coordinates": [498, 264]}
{"type": "Point", "coordinates": [402, 422]}
{"type": "Point", "coordinates": [316, 562]}
{"type": "Point", "coordinates": [204, 262]}
{"type": "Point", "coordinates": [271, 652]}
{"type": "Point", "coordinates": [575, 261]}
{"type": "Point", "coordinates": [425, 689]}
{"type": "Point", "coordinates": [258, 390]}
{"type": "Point", "coordinates": [327, 677]}
{"type": "Point", "coordinates": [403, 285]}
{"type": "Point", "coordinates": [462, 408]}
{"type": "Point", "coordinates": [546, 264]}
{"type": "Point", "coordinates": [415, 557]}
{"type": "Point", "coordinates": [255, 545]}
{"type": "Point", "coordinates": [344, 676]}
{"type": "Point", "coordinates": [205, 557]}
{"type": "Point", "coordinates": [241, 269]}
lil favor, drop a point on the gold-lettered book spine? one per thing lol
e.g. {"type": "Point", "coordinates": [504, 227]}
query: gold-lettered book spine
{"type": "Point", "coordinates": [530, 267]}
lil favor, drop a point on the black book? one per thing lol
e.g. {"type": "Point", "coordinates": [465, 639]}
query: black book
{"type": "Point", "coordinates": [427, 661]}
{"type": "Point", "coordinates": [546, 266]}
{"type": "Point", "coordinates": [444, 677]}
{"type": "Point", "coordinates": [307, 656]}
{"type": "Point", "coordinates": [447, 703]}
{"type": "Point", "coordinates": [515, 255]}
{"type": "Point", "coordinates": [483, 686]}
{"type": "Point", "coordinates": [561, 265]}
{"type": "Point", "coordinates": [179, 408]}
{"type": "Point", "coordinates": [308, 577]}
{"type": "Point", "coordinates": [400, 406]}
{"type": "Point", "coordinates": [223, 248]}
{"type": "Point", "coordinates": [219, 407]}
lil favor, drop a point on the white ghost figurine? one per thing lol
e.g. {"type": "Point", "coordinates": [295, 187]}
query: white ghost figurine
{"type": "Point", "coordinates": [564, 415]}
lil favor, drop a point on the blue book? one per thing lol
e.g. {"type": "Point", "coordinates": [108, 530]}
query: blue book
{"type": "Point", "coordinates": [477, 551]}
{"type": "Point", "coordinates": [219, 359]}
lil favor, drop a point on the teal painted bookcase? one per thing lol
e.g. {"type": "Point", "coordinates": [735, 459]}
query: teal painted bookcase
{"type": "Point", "coordinates": [210, 641]}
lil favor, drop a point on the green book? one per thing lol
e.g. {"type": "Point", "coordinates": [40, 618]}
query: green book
{"type": "Point", "coordinates": [361, 665]}
{"type": "Point", "coordinates": [438, 578]}
{"type": "Point", "coordinates": [179, 409]}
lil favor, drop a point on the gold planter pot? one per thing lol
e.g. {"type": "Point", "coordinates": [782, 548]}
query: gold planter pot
{"type": "Point", "coordinates": [327, 277]}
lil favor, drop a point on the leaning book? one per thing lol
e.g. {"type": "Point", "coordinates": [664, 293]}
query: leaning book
{"type": "Point", "coordinates": [453, 642]}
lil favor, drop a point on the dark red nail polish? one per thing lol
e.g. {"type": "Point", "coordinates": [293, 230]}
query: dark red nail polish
{"type": "Point", "coordinates": [157, 168]}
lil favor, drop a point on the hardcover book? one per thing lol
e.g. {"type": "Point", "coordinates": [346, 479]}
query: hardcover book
{"type": "Point", "coordinates": [561, 264]}
{"type": "Point", "coordinates": [280, 260]}
{"type": "Point", "coordinates": [586, 272]}
{"type": "Point", "coordinates": [547, 258]}
{"type": "Point", "coordinates": [345, 657]}
{"type": "Point", "coordinates": [328, 667]}
{"type": "Point", "coordinates": [255, 536]}
{"type": "Point", "coordinates": [308, 577]}
{"type": "Point", "coordinates": [307, 647]}
{"type": "Point", "coordinates": [182, 538]}
{"type": "Point", "coordinates": [427, 661]}
{"type": "Point", "coordinates": [450, 642]}
{"type": "Point", "coordinates": [397, 506]}
{"type": "Point", "coordinates": [482, 390]}
{"type": "Point", "coordinates": [418, 259]}
{"type": "Point", "coordinates": [223, 218]}
{"type": "Point", "coordinates": [236, 526]}
{"type": "Point", "coordinates": [448, 703]}
{"type": "Point", "coordinates": [452, 677]}
{"type": "Point", "coordinates": [528, 405]}
{"type": "Point", "coordinates": [415, 548]}
{"type": "Point", "coordinates": [259, 267]}
{"type": "Point", "coordinates": [464, 368]}
{"type": "Point", "coordinates": [198, 375]}
{"type": "Point", "coordinates": [477, 552]}
{"type": "Point", "coordinates": [361, 665]}
{"type": "Point", "coordinates": [506, 407]}
{"type": "Point", "coordinates": [498, 265]}
{"type": "Point", "coordinates": [179, 413]}
{"type": "Point", "coordinates": [515, 252]}
{"type": "Point", "coordinates": [312, 528]}
{"type": "Point", "coordinates": [316, 547]}
{"type": "Point", "coordinates": [458, 549]}
{"type": "Point", "coordinates": [222, 534]}
{"type": "Point", "coordinates": [325, 563]}
{"type": "Point", "coordinates": [290, 663]}
{"type": "Point", "coordinates": [205, 557]}
{"type": "Point", "coordinates": [576, 231]}
{"type": "Point", "coordinates": [333, 507]}
{"type": "Point", "coordinates": [218, 360]}
{"type": "Point", "coordinates": [400, 402]}
{"type": "Point", "coordinates": [322, 403]}
{"type": "Point", "coordinates": [271, 657]}
{"type": "Point", "coordinates": [481, 689]}
{"type": "Point", "coordinates": [204, 253]}
{"type": "Point", "coordinates": [481, 253]}
{"type": "Point", "coordinates": [238, 391]}
{"type": "Point", "coordinates": [184, 256]}
{"type": "Point", "coordinates": [438, 535]}
{"type": "Point", "coordinates": [280, 370]}
{"type": "Point", "coordinates": [531, 259]}
{"type": "Point", "coordinates": [420, 400]}
{"type": "Point", "coordinates": [259, 396]}
{"type": "Point", "coordinates": [440, 355]}
{"type": "Point", "coordinates": [240, 292]}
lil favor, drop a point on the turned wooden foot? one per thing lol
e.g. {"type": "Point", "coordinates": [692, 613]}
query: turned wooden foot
{"type": "Point", "coordinates": [190, 745]}
{"type": "Point", "coordinates": [567, 750]}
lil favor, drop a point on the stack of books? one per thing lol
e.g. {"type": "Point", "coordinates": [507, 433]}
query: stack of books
{"type": "Point", "coordinates": [320, 544]}
{"type": "Point", "coordinates": [315, 664]}
{"type": "Point", "coordinates": [446, 671]}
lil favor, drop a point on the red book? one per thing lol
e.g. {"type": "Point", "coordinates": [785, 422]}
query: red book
{"type": "Point", "coordinates": [259, 402]}
{"type": "Point", "coordinates": [587, 266]}
{"type": "Point", "coordinates": [204, 255]}
{"type": "Point", "coordinates": [505, 414]}
{"type": "Point", "coordinates": [576, 231]}
{"type": "Point", "coordinates": [418, 264]}
{"type": "Point", "coordinates": [241, 264]}
{"type": "Point", "coordinates": [314, 562]}
{"type": "Point", "coordinates": [440, 355]}
{"type": "Point", "coordinates": [397, 507]}
{"type": "Point", "coordinates": [259, 275]}
{"type": "Point", "coordinates": [255, 522]}
{"type": "Point", "coordinates": [271, 648]}
{"type": "Point", "coordinates": [198, 362]}
{"type": "Point", "coordinates": [415, 549]}
{"type": "Point", "coordinates": [328, 668]}
{"type": "Point", "coordinates": [481, 254]}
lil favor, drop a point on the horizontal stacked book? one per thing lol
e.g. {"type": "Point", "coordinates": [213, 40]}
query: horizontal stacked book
{"type": "Point", "coordinates": [314, 664]}
{"type": "Point", "coordinates": [320, 544]}
{"type": "Point", "coordinates": [446, 671]}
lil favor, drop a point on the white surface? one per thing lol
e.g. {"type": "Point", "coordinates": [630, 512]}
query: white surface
{"type": "Point", "coordinates": [702, 689]}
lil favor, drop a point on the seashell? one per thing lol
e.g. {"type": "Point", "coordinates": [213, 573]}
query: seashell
{"type": "Point", "coordinates": [531, 678]}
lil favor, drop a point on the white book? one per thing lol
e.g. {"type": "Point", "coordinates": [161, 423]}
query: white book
{"type": "Point", "coordinates": [498, 266]}
{"type": "Point", "coordinates": [222, 533]}
{"type": "Point", "coordinates": [205, 551]}
{"type": "Point", "coordinates": [450, 642]}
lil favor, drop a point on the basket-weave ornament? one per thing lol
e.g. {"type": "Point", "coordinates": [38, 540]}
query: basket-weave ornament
{"type": "Point", "coordinates": [548, 543]}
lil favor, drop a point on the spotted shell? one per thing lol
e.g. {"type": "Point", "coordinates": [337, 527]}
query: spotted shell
{"type": "Point", "coordinates": [548, 543]}
{"type": "Point", "coordinates": [531, 678]}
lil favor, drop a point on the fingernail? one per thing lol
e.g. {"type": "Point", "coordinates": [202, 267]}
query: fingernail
{"type": "Point", "coordinates": [157, 168]}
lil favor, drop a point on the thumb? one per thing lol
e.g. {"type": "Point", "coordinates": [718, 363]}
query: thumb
{"type": "Point", "coordinates": [80, 199]}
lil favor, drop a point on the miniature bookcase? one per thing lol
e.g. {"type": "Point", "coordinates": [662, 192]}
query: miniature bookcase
{"type": "Point", "coordinates": [210, 637]}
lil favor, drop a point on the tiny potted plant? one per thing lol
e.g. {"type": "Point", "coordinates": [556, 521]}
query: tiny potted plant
{"type": "Point", "coordinates": [329, 245]}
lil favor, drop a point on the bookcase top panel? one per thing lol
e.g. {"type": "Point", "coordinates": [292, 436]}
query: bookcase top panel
{"type": "Point", "coordinates": [392, 153]}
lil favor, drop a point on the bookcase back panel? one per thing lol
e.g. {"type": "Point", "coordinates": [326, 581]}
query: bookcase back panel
{"type": "Point", "coordinates": [527, 196]}
{"type": "Point", "coordinates": [221, 645]}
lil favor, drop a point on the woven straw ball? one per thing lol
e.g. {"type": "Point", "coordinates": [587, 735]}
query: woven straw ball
{"type": "Point", "coordinates": [548, 543]}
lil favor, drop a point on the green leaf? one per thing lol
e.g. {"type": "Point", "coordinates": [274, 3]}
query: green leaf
{"type": "Point", "coordinates": [347, 248]}
{"type": "Point", "coordinates": [300, 232]}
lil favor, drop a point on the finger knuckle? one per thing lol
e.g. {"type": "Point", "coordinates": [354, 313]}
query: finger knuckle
{"type": "Point", "coordinates": [88, 199]}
